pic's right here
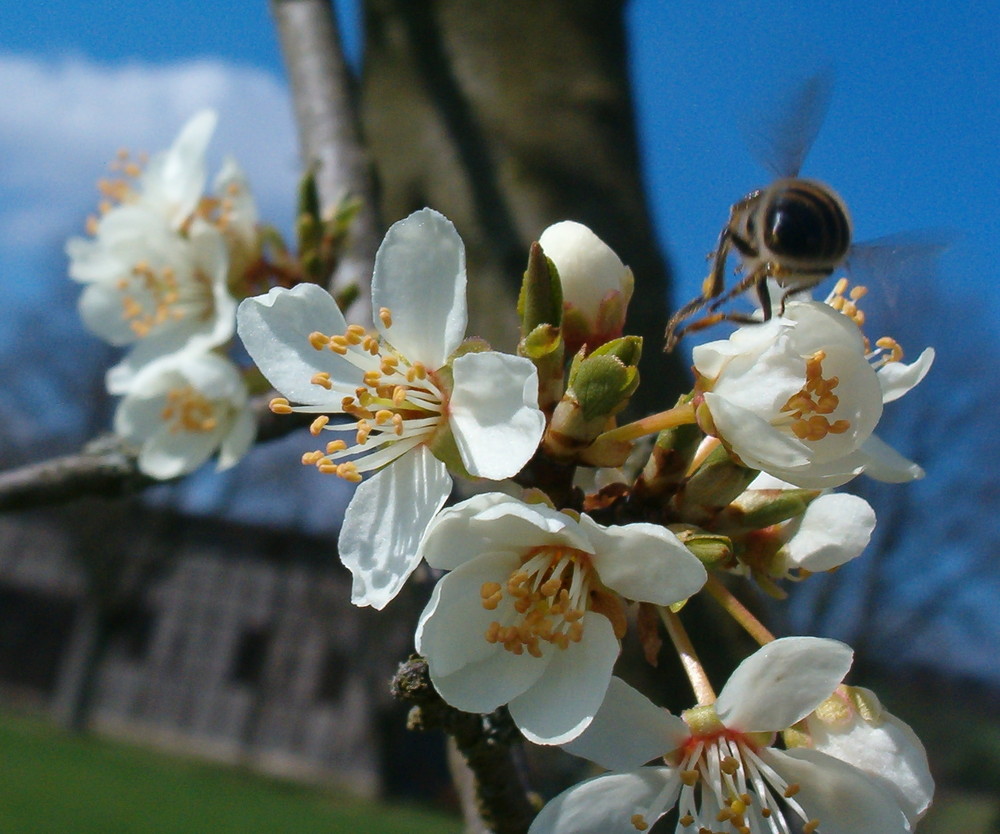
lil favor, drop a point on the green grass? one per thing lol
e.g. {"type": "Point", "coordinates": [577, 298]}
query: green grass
{"type": "Point", "coordinates": [51, 783]}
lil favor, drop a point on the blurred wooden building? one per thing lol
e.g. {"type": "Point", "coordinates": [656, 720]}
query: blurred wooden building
{"type": "Point", "coordinates": [223, 639]}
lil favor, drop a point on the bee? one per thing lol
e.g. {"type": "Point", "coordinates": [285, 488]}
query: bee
{"type": "Point", "coordinates": [795, 231]}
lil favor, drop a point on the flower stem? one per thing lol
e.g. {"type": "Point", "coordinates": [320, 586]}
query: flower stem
{"type": "Point", "coordinates": [671, 418]}
{"type": "Point", "coordinates": [689, 658]}
{"type": "Point", "coordinates": [738, 611]}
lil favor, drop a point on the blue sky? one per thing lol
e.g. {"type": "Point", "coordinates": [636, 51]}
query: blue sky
{"type": "Point", "coordinates": [910, 141]}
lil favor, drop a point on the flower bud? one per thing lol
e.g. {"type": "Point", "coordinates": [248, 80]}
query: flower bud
{"type": "Point", "coordinates": [599, 387]}
{"type": "Point", "coordinates": [596, 285]}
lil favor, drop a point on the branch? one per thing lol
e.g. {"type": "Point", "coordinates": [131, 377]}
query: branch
{"type": "Point", "coordinates": [107, 466]}
{"type": "Point", "coordinates": [484, 741]}
{"type": "Point", "coordinates": [329, 132]}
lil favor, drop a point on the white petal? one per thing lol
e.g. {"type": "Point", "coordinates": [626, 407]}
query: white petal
{"type": "Point", "coordinates": [711, 358]}
{"type": "Point", "coordinates": [755, 440]}
{"type": "Point", "coordinates": [883, 463]}
{"type": "Point", "coordinates": [420, 277]}
{"type": "Point", "coordinates": [531, 525]}
{"type": "Point", "coordinates": [168, 454]}
{"type": "Point", "coordinates": [888, 750]}
{"type": "Point", "coordinates": [120, 378]}
{"type": "Point", "coordinates": [469, 672]}
{"type": "Point", "coordinates": [644, 562]}
{"type": "Point", "coordinates": [494, 413]}
{"type": "Point", "coordinates": [238, 440]}
{"type": "Point", "coordinates": [454, 538]}
{"type": "Point", "coordinates": [628, 730]}
{"type": "Point", "coordinates": [588, 268]}
{"type": "Point", "coordinates": [782, 682]}
{"type": "Point", "coordinates": [826, 475]}
{"type": "Point", "coordinates": [834, 529]}
{"type": "Point", "coordinates": [841, 797]}
{"type": "Point", "coordinates": [606, 804]}
{"type": "Point", "coordinates": [100, 307]}
{"type": "Point", "coordinates": [565, 699]}
{"type": "Point", "coordinates": [174, 180]}
{"type": "Point", "coordinates": [896, 378]}
{"type": "Point", "coordinates": [231, 183]}
{"type": "Point", "coordinates": [384, 522]}
{"type": "Point", "coordinates": [275, 329]}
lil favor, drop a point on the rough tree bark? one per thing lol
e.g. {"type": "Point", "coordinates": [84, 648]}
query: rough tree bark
{"type": "Point", "coordinates": [507, 116]}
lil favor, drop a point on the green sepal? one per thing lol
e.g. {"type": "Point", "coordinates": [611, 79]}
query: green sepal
{"type": "Point", "coordinates": [540, 300]}
{"type": "Point", "coordinates": [543, 341]}
{"type": "Point", "coordinates": [762, 508]}
{"type": "Point", "coordinates": [601, 385]}
{"type": "Point", "coordinates": [718, 481]}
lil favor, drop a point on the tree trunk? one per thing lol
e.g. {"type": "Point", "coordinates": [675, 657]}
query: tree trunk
{"type": "Point", "coordinates": [507, 116]}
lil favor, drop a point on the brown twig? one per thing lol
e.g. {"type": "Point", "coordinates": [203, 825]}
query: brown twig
{"type": "Point", "coordinates": [484, 741]}
{"type": "Point", "coordinates": [106, 466]}
{"type": "Point", "coordinates": [330, 134]}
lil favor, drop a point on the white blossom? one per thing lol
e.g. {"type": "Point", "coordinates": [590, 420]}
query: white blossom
{"type": "Point", "coordinates": [150, 287]}
{"type": "Point", "coordinates": [532, 610]}
{"type": "Point", "coordinates": [162, 256]}
{"type": "Point", "coordinates": [799, 397]}
{"type": "Point", "coordinates": [596, 285]}
{"type": "Point", "coordinates": [412, 403]}
{"type": "Point", "coordinates": [852, 725]}
{"type": "Point", "coordinates": [722, 771]}
{"type": "Point", "coordinates": [834, 529]}
{"type": "Point", "coordinates": [183, 408]}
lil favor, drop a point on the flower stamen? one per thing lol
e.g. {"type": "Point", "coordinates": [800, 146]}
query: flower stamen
{"type": "Point", "coordinates": [551, 591]}
{"type": "Point", "coordinates": [808, 407]}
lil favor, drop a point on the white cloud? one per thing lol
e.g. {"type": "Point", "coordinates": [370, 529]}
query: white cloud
{"type": "Point", "coordinates": [63, 120]}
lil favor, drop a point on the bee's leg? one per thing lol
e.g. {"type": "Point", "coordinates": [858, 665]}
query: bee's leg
{"type": "Point", "coordinates": [708, 321]}
{"type": "Point", "coordinates": [764, 297]}
{"type": "Point", "coordinates": [711, 287]}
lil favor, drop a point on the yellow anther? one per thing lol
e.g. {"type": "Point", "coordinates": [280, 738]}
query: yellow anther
{"type": "Point", "coordinates": [385, 317]}
{"type": "Point", "coordinates": [318, 424]}
{"type": "Point", "coordinates": [349, 472]}
{"type": "Point", "coordinates": [187, 409]}
{"type": "Point", "coordinates": [311, 458]}
{"type": "Point", "coordinates": [335, 446]}
{"type": "Point", "coordinates": [327, 467]}
{"type": "Point", "coordinates": [550, 587]}
{"type": "Point", "coordinates": [383, 416]}
{"type": "Point", "coordinates": [488, 589]}
{"type": "Point", "coordinates": [364, 430]}
{"type": "Point", "coordinates": [690, 777]}
{"type": "Point", "coordinates": [791, 790]}
{"type": "Point", "coordinates": [397, 424]}
{"type": "Point", "coordinates": [639, 822]}
{"type": "Point", "coordinates": [737, 807]}
{"type": "Point", "coordinates": [354, 334]}
{"type": "Point", "coordinates": [889, 344]}
{"type": "Point", "coordinates": [729, 765]}
{"type": "Point", "coordinates": [371, 378]}
{"type": "Point", "coordinates": [810, 826]}
{"type": "Point", "coordinates": [279, 405]}
{"type": "Point", "coordinates": [398, 396]}
{"type": "Point", "coordinates": [686, 820]}
{"type": "Point", "coordinates": [492, 632]}
{"type": "Point", "coordinates": [322, 379]}
{"type": "Point", "coordinates": [318, 340]}
{"type": "Point", "coordinates": [92, 224]}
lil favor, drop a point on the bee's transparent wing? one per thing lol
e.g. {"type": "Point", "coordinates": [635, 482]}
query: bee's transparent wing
{"type": "Point", "coordinates": [896, 261]}
{"type": "Point", "coordinates": [781, 131]}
